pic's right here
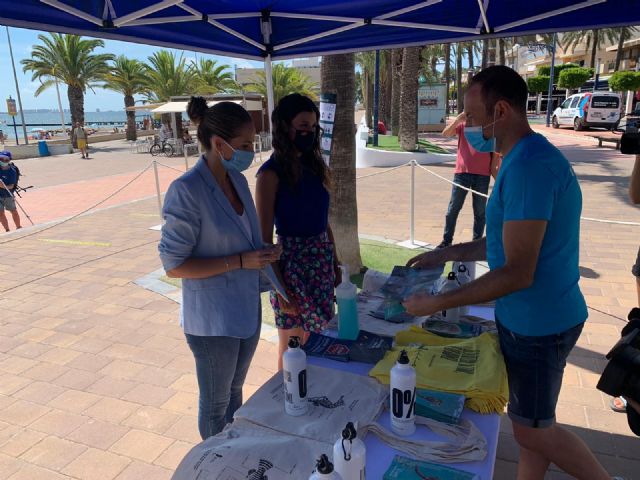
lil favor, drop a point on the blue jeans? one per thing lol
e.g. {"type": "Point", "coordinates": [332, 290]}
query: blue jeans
{"type": "Point", "coordinates": [221, 367]}
{"type": "Point", "coordinates": [479, 183]}
{"type": "Point", "coordinates": [535, 366]}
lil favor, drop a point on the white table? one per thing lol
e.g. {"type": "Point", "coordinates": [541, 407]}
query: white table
{"type": "Point", "coordinates": [380, 455]}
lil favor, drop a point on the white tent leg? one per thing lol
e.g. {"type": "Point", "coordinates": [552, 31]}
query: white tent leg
{"type": "Point", "coordinates": [269, 78]}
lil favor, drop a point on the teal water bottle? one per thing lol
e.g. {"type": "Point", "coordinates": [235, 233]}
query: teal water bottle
{"type": "Point", "coordinates": [348, 327]}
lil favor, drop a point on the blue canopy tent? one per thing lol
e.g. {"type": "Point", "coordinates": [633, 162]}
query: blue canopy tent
{"type": "Point", "coordinates": [280, 29]}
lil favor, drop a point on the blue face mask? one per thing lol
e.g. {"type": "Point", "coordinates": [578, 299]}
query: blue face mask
{"type": "Point", "coordinates": [239, 161]}
{"type": "Point", "coordinates": [4, 164]}
{"type": "Point", "coordinates": [475, 137]}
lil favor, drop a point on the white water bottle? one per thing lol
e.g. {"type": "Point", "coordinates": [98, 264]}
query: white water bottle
{"type": "Point", "coordinates": [451, 314]}
{"type": "Point", "coordinates": [463, 272]}
{"type": "Point", "coordinates": [350, 455]}
{"type": "Point", "coordinates": [294, 370]}
{"type": "Point", "coordinates": [403, 396]}
{"type": "Point", "coordinates": [324, 470]}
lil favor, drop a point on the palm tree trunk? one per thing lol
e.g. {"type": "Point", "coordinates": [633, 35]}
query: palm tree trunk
{"type": "Point", "coordinates": [131, 118]}
{"type": "Point", "coordinates": [76, 104]}
{"type": "Point", "coordinates": [621, 39]}
{"type": "Point", "coordinates": [409, 98]}
{"type": "Point", "coordinates": [386, 97]}
{"type": "Point", "coordinates": [459, 99]}
{"type": "Point", "coordinates": [370, 98]}
{"type": "Point", "coordinates": [396, 65]}
{"type": "Point", "coordinates": [470, 55]}
{"type": "Point", "coordinates": [434, 65]}
{"type": "Point", "coordinates": [594, 47]}
{"type": "Point", "coordinates": [337, 75]}
{"type": "Point", "coordinates": [447, 71]}
{"type": "Point", "coordinates": [485, 53]}
{"type": "Point", "coordinates": [501, 52]}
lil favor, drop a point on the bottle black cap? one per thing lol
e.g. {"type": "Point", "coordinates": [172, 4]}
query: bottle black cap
{"type": "Point", "coordinates": [323, 465]}
{"type": "Point", "coordinates": [403, 358]}
{"type": "Point", "coordinates": [462, 268]}
{"type": "Point", "coordinates": [349, 432]}
{"type": "Point", "coordinates": [294, 342]}
{"type": "Point", "coordinates": [451, 276]}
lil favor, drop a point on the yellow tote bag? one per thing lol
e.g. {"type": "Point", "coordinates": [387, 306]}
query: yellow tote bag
{"type": "Point", "coordinates": [473, 367]}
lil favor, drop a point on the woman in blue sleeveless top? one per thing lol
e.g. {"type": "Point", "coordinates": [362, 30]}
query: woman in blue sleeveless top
{"type": "Point", "coordinates": [292, 193]}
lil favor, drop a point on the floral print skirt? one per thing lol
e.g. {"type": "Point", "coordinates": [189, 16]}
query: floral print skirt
{"type": "Point", "coordinates": [307, 269]}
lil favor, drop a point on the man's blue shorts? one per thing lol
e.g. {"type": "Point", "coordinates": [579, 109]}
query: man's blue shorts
{"type": "Point", "coordinates": [535, 366]}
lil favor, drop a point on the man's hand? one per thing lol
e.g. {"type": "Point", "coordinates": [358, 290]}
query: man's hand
{"type": "Point", "coordinates": [428, 259]}
{"type": "Point", "coordinates": [462, 117]}
{"type": "Point", "coordinates": [421, 304]}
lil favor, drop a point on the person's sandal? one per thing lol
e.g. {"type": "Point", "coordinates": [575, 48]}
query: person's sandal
{"type": "Point", "coordinates": [618, 404]}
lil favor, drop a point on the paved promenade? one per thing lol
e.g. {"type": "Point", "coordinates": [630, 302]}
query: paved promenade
{"type": "Point", "coordinates": [96, 380]}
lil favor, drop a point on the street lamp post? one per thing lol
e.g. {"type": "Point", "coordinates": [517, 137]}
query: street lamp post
{"type": "Point", "coordinates": [15, 79]}
{"type": "Point", "coordinates": [552, 50]}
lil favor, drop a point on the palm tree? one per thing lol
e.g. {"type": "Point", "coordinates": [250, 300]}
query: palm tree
{"type": "Point", "coordinates": [408, 98]}
{"type": "Point", "coordinates": [624, 34]}
{"type": "Point", "coordinates": [338, 76]}
{"type": "Point", "coordinates": [396, 87]}
{"type": "Point", "coordinates": [592, 38]}
{"type": "Point", "coordinates": [447, 71]}
{"type": "Point", "coordinates": [167, 76]}
{"type": "Point", "coordinates": [127, 76]}
{"type": "Point", "coordinates": [367, 61]}
{"type": "Point", "coordinates": [286, 80]}
{"type": "Point", "coordinates": [485, 53]}
{"type": "Point", "coordinates": [70, 59]}
{"type": "Point", "coordinates": [211, 78]}
{"type": "Point", "coordinates": [459, 99]}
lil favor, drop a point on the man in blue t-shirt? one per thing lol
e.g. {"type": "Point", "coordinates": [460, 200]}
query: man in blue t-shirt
{"type": "Point", "coordinates": [532, 245]}
{"type": "Point", "coordinates": [9, 177]}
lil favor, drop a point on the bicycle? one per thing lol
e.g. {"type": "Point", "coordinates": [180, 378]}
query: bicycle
{"type": "Point", "coordinates": [163, 147]}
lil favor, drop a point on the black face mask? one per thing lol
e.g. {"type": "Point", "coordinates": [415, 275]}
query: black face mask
{"type": "Point", "coordinates": [304, 140]}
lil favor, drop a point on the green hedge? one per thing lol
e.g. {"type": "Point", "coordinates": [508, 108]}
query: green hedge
{"type": "Point", "coordinates": [574, 77]}
{"type": "Point", "coordinates": [625, 81]}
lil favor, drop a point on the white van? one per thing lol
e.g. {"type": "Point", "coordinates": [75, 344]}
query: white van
{"type": "Point", "coordinates": [590, 109]}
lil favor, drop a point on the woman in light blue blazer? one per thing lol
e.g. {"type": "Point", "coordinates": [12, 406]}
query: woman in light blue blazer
{"type": "Point", "coordinates": [211, 239]}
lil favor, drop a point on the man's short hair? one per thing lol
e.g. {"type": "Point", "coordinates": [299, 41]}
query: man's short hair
{"type": "Point", "coordinates": [501, 83]}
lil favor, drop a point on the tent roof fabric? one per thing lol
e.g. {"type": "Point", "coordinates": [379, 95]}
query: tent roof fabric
{"type": "Point", "coordinates": [177, 107]}
{"type": "Point", "coordinates": [283, 29]}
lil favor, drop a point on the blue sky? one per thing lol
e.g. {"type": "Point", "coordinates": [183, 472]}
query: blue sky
{"type": "Point", "coordinates": [22, 41]}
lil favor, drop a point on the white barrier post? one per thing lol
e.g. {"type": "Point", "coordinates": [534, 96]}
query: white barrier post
{"type": "Point", "coordinates": [155, 172]}
{"type": "Point", "coordinates": [412, 204]}
{"type": "Point", "coordinates": [186, 158]}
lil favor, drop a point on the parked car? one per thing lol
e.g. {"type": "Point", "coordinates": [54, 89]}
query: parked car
{"type": "Point", "coordinates": [590, 109]}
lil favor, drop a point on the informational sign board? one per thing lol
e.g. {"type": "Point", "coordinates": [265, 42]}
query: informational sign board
{"type": "Point", "coordinates": [11, 107]}
{"type": "Point", "coordinates": [327, 119]}
{"type": "Point", "coordinates": [431, 107]}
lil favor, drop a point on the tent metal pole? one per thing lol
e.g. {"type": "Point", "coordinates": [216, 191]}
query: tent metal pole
{"type": "Point", "coordinates": [412, 206]}
{"type": "Point", "coordinates": [552, 13]}
{"type": "Point", "coordinates": [376, 98]}
{"type": "Point", "coordinates": [268, 74]}
{"type": "Point", "coordinates": [73, 11]}
{"type": "Point", "coordinates": [221, 26]}
{"type": "Point", "coordinates": [550, 91]}
{"type": "Point", "coordinates": [156, 7]}
{"type": "Point", "coordinates": [417, 6]}
{"type": "Point", "coordinates": [483, 13]}
{"type": "Point", "coordinates": [158, 194]}
{"type": "Point", "coordinates": [425, 26]}
{"type": "Point", "coordinates": [328, 33]}
{"type": "Point", "coordinates": [161, 20]}
{"type": "Point", "coordinates": [223, 16]}
{"type": "Point", "coordinates": [306, 16]}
